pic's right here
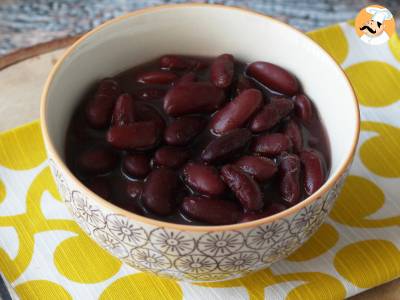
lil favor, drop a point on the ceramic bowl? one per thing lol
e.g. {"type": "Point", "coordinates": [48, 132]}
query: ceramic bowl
{"type": "Point", "coordinates": [198, 253]}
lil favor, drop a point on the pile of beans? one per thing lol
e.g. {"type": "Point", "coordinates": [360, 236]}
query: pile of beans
{"type": "Point", "coordinates": [199, 140]}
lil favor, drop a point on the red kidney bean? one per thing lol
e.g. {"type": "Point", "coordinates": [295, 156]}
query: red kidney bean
{"type": "Point", "coordinates": [157, 77]}
{"type": "Point", "coordinates": [271, 144]}
{"type": "Point", "coordinates": [172, 157]}
{"type": "Point", "coordinates": [243, 186]}
{"type": "Point", "coordinates": [236, 113]}
{"type": "Point", "coordinates": [303, 108]}
{"type": "Point", "coordinates": [133, 136]}
{"type": "Point", "coordinates": [273, 209]}
{"type": "Point", "coordinates": [271, 114]}
{"type": "Point", "coordinates": [124, 111]}
{"type": "Point", "coordinates": [109, 87]}
{"type": "Point", "coordinates": [100, 186]}
{"type": "Point", "coordinates": [222, 70]}
{"type": "Point", "coordinates": [283, 105]}
{"type": "Point", "coordinates": [159, 191]}
{"type": "Point", "coordinates": [193, 97]}
{"type": "Point", "coordinates": [313, 165]}
{"type": "Point", "coordinates": [150, 93]}
{"type": "Point", "coordinates": [289, 169]}
{"type": "Point", "coordinates": [146, 112]}
{"type": "Point", "coordinates": [210, 210]}
{"type": "Point", "coordinates": [183, 130]}
{"type": "Point", "coordinates": [188, 77]}
{"type": "Point", "coordinates": [136, 165]}
{"type": "Point", "coordinates": [134, 189]}
{"type": "Point", "coordinates": [260, 168]}
{"type": "Point", "coordinates": [97, 160]}
{"type": "Point", "coordinates": [267, 118]}
{"type": "Point", "coordinates": [293, 131]}
{"type": "Point", "coordinates": [243, 84]}
{"type": "Point", "coordinates": [99, 110]}
{"type": "Point", "coordinates": [175, 62]}
{"type": "Point", "coordinates": [274, 77]}
{"type": "Point", "coordinates": [204, 179]}
{"type": "Point", "coordinates": [227, 145]}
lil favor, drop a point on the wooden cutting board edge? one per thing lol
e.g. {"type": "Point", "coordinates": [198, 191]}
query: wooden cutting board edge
{"type": "Point", "coordinates": [388, 291]}
{"type": "Point", "coordinates": [26, 53]}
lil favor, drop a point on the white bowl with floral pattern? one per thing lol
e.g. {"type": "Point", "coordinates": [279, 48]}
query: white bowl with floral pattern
{"type": "Point", "coordinates": [185, 252]}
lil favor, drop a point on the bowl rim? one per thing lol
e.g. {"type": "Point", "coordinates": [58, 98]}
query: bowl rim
{"type": "Point", "coordinates": [184, 227]}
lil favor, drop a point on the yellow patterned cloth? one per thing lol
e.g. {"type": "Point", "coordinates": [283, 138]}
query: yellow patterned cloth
{"type": "Point", "coordinates": [45, 255]}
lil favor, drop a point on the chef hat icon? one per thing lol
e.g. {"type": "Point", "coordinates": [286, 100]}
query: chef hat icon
{"type": "Point", "coordinates": [379, 14]}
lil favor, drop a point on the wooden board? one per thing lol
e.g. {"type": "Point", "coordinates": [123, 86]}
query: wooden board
{"type": "Point", "coordinates": [22, 76]}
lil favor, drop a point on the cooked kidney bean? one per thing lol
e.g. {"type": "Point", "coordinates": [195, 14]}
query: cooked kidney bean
{"type": "Point", "coordinates": [99, 186]}
{"type": "Point", "coordinates": [273, 209]}
{"type": "Point", "coordinates": [271, 114]}
{"type": "Point", "coordinates": [188, 77]}
{"type": "Point", "coordinates": [193, 97]}
{"type": "Point", "coordinates": [97, 160]}
{"type": "Point", "coordinates": [136, 165]}
{"type": "Point", "coordinates": [303, 108]}
{"type": "Point", "coordinates": [314, 175]}
{"type": "Point", "coordinates": [293, 132]}
{"type": "Point", "coordinates": [199, 140]}
{"type": "Point", "coordinates": [146, 112]}
{"type": "Point", "coordinates": [150, 93]}
{"type": "Point", "coordinates": [222, 70]}
{"type": "Point", "coordinates": [204, 179]}
{"type": "Point", "coordinates": [274, 77]}
{"type": "Point", "coordinates": [237, 112]}
{"type": "Point", "coordinates": [289, 169]}
{"type": "Point", "coordinates": [176, 62]}
{"type": "Point", "coordinates": [124, 111]}
{"type": "Point", "coordinates": [226, 146]}
{"type": "Point", "coordinates": [133, 136]}
{"type": "Point", "coordinates": [267, 118]}
{"type": "Point", "coordinates": [99, 110]}
{"type": "Point", "coordinates": [260, 168]}
{"type": "Point", "coordinates": [109, 87]}
{"type": "Point", "coordinates": [172, 157]}
{"type": "Point", "coordinates": [283, 105]}
{"type": "Point", "coordinates": [210, 210]}
{"type": "Point", "coordinates": [160, 191]}
{"type": "Point", "coordinates": [100, 107]}
{"type": "Point", "coordinates": [243, 186]}
{"type": "Point", "coordinates": [183, 130]}
{"type": "Point", "coordinates": [271, 144]}
{"type": "Point", "coordinates": [134, 190]}
{"type": "Point", "coordinates": [157, 77]}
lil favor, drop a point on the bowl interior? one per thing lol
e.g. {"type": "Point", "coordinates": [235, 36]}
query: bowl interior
{"type": "Point", "coordinates": [209, 31]}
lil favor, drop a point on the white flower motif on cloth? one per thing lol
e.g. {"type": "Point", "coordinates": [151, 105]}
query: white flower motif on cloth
{"type": "Point", "coordinates": [87, 212]}
{"type": "Point", "coordinates": [305, 217]}
{"type": "Point", "coordinates": [280, 250]}
{"type": "Point", "coordinates": [238, 262]}
{"type": "Point", "coordinates": [195, 264]}
{"type": "Point", "coordinates": [150, 259]}
{"type": "Point", "coordinates": [171, 242]}
{"type": "Point", "coordinates": [124, 231]}
{"type": "Point", "coordinates": [266, 235]}
{"type": "Point", "coordinates": [220, 243]}
{"type": "Point", "coordinates": [110, 243]}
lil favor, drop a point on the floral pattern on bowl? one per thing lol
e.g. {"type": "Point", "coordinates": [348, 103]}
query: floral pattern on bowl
{"type": "Point", "coordinates": [191, 255]}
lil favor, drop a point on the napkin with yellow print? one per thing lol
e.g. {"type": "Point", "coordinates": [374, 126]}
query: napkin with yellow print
{"type": "Point", "coordinates": [45, 255]}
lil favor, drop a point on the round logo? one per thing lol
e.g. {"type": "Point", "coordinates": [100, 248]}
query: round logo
{"type": "Point", "coordinates": [374, 25]}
